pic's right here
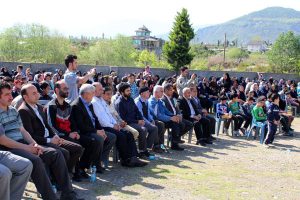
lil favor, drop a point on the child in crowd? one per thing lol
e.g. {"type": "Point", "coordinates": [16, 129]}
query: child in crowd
{"type": "Point", "coordinates": [237, 117]}
{"type": "Point", "coordinates": [259, 114]}
{"type": "Point", "coordinates": [223, 112]}
{"type": "Point", "coordinates": [247, 108]}
{"type": "Point", "coordinates": [273, 119]}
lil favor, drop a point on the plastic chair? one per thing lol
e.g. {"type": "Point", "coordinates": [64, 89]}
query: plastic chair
{"type": "Point", "coordinates": [218, 125]}
{"type": "Point", "coordinates": [257, 125]}
{"type": "Point", "coordinates": [169, 136]}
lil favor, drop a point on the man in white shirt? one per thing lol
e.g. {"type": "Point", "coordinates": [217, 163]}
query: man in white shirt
{"type": "Point", "coordinates": [125, 141]}
{"type": "Point", "coordinates": [108, 98]}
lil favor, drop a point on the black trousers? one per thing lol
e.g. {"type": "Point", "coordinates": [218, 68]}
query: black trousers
{"type": "Point", "coordinates": [238, 121]}
{"type": "Point", "coordinates": [201, 129]}
{"type": "Point", "coordinates": [96, 149]}
{"type": "Point", "coordinates": [125, 143]}
{"type": "Point", "coordinates": [179, 129]}
{"type": "Point", "coordinates": [272, 128]}
{"type": "Point", "coordinates": [212, 123]}
{"type": "Point", "coordinates": [248, 120]}
{"type": "Point", "coordinates": [284, 120]}
{"type": "Point", "coordinates": [161, 132]}
{"type": "Point", "coordinates": [53, 159]}
{"type": "Point", "coordinates": [71, 151]}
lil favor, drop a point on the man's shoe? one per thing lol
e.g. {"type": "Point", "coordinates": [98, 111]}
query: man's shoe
{"type": "Point", "coordinates": [181, 141]}
{"type": "Point", "coordinates": [208, 141]}
{"type": "Point", "coordinates": [287, 134]}
{"type": "Point", "coordinates": [137, 162]}
{"type": "Point", "coordinates": [158, 149]}
{"type": "Point", "coordinates": [212, 138]}
{"type": "Point", "coordinates": [201, 142]}
{"type": "Point", "coordinates": [70, 196]}
{"type": "Point", "coordinates": [145, 155]}
{"type": "Point", "coordinates": [177, 148]}
{"type": "Point", "coordinates": [100, 170]}
{"type": "Point", "coordinates": [77, 177]}
{"type": "Point", "coordinates": [83, 174]}
{"type": "Point", "coordinates": [266, 145]}
{"type": "Point", "coordinates": [127, 163]}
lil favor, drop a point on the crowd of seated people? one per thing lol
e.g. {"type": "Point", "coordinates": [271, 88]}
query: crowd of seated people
{"type": "Point", "coordinates": [55, 127]}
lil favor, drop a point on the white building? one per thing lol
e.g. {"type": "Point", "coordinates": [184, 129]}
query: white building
{"type": "Point", "coordinates": [257, 46]}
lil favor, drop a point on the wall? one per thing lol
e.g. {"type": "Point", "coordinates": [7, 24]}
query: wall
{"type": "Point", "coordinates": [121, 71]}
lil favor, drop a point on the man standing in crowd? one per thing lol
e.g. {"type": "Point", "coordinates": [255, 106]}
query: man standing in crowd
{"type": "Point", "coordinates": [273, 118]}
{"type": "Point", "coordinates": [130, 113]}
{"type": "Point", "coordinates": [142, 103]}
{"type": "Point", "coordinates": [72, 79]}
{"type": "Point", "coordinates": [18, 141]}
{"type": "Point", "coordinates": [134, 91]}
{"type": "Point", "coordinates": [93, 138]}
{"type": "Point", "coordinates": [183, 81]}
{"type": "Point", "coordinates": [125, 141]}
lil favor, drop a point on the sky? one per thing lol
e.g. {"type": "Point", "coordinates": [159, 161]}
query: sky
{"type": "Point", "coordinates": [112, 17]}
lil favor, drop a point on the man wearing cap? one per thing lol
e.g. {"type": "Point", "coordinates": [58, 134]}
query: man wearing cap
{"type": "Point", "coordinates": [131, 115]}
{"type": "Point", "coordinates": [155, 126]}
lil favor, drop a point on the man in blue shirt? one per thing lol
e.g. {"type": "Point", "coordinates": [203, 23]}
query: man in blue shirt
{"type": "Point", "coordinates": [130, 113]}
{"type": "Point", "coordinates": [161, 113]}
{"type": "Point", "coordinates": [152, 125]}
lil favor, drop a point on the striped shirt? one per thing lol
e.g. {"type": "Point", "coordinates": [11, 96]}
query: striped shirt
{"type": "Point", "coordinates": [11, 122]}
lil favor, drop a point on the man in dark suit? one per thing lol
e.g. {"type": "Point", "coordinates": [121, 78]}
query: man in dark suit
{"type": "Point", "coordinates": [190, 113]}
{"type": "Point", "coordinates": [169, 102]}
{"type": "Point", "coordinates": [93, 138]}
{"type": "Point", "coordinates": [35, 122]}
{"type": "Point", "coordinates": [203, 111]}
{"type": "Point", "coordinates": [52, 157]}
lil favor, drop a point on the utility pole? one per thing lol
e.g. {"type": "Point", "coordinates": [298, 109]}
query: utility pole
{"type": "Point", "coordinates": [225, 43]}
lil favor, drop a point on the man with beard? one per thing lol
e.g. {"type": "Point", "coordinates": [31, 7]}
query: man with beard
{"type": "Point", "coordinates": [125, 141]}
{"type": "Point", "coordinates": [130, 113]}
{"type": "Point", "coordinates": [58, 115]}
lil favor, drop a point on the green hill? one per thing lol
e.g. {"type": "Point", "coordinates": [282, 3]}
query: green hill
{"type": "Point", "coordinates": [267, 24]}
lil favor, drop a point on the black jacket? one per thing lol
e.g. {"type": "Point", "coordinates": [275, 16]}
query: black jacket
{"type": "Point", "coordinates": [168, 105]}
{"type": "Point", "coordinates": [128, 110]}
{"type": "Point", "coordinates": [185, 108]}
{"type": "Point", "coordinates": [33, 124]}
{"type": "Point", "coordinates": [80, 119]}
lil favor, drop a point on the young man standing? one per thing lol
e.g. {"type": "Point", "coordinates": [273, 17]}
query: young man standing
{"type": "Point", "coordinates": [72, 79]}
{"type": "Point", "coordinates": [273, 119]}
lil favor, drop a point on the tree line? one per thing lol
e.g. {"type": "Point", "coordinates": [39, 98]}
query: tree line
{"type": "Point", "coordinates": [37, 43]}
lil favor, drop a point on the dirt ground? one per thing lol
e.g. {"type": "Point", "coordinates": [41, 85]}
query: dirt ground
{"type": "Point", "coordinates": [231, 168]}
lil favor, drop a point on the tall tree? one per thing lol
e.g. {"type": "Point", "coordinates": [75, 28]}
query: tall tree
{"type": "Point", "coordinates": [177, 50]}
{"type": "Point", "coordinates": [285, 53]}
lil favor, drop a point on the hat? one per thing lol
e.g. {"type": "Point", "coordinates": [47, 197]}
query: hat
{"type": "Point", "coordinates": [143, 89]}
